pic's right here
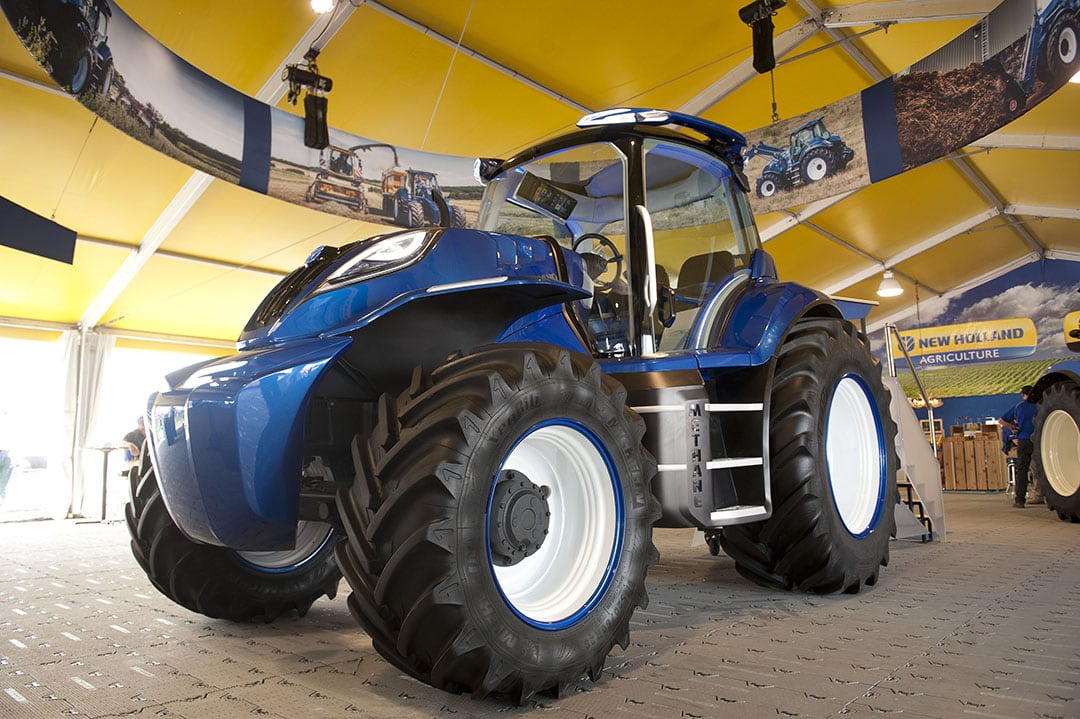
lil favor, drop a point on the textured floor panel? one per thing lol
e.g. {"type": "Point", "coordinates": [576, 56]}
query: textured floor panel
{"type": "Point", "coordinates": [985, 625]}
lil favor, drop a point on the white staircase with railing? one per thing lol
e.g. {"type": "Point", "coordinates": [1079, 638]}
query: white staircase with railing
{"type": "Point", "coordinates": [921, 510]}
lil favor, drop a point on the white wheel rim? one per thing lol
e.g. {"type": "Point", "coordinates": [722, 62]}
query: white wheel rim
{"type": "Point", "coordinates": [1066, 46]}
{"type": "Point", "coordinates": [768, 188]}
{"type": "Point", "coordinates": [310, 538]}
{"type": "Point", "coordinates": [853, 450]}
{"type": "Point", "coordinates": [1059, 450]}
{"type": "Point", "coordinates": [560, 583]}
{"type": "Point", "coordinates": [815, 170]}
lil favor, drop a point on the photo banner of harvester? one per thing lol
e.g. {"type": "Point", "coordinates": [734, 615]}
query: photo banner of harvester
{"type": "Point", "coordinates": [1012, 59]}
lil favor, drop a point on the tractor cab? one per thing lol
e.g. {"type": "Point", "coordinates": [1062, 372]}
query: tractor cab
{"type": "Point", "coordinates": [805, 137]}
{"type": "Point", "coordinates": [340, 162]}
{"type": "Point", "coordinates": [658, 218]}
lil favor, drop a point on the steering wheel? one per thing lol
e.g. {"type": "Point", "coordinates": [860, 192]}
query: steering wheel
{"type": "Point", "coordinates": [598, 264]}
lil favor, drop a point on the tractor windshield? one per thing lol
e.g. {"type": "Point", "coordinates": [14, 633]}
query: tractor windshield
{"type": "Point", "coordinates": [702, 232]}
{"type": "Point", "coordinates": [577, 196]}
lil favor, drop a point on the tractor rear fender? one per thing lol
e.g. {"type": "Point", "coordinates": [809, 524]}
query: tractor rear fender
{"type": "Point", "coordinates": [1067, 371]}
{"type": "Point", "coordinates": [759, 321]}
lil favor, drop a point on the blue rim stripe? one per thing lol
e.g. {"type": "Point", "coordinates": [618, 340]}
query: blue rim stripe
{"type": "Point", "coordinates": [883, 462]}
{"type": "Point", "coordinates": [616, 550]}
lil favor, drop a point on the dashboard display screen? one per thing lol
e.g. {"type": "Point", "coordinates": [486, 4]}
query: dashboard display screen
{"type": "Point", "coordinates": [545, 196]}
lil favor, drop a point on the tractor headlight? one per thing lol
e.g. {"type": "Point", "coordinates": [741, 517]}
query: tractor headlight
{"type": "Point", "coordinates": [380, 256]}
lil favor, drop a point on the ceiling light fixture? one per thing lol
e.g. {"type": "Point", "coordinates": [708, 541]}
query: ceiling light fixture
{"type": "Point", "coordinates": [322, 6]}
{"type": "Point", "coordinates": [889, 286]}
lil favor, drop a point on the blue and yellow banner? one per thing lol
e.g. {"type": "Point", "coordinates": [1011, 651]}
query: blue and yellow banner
{"type": "Point", "coordinates": [1072, 331]}
{"type": "Point", "coordinates": [986, 341]}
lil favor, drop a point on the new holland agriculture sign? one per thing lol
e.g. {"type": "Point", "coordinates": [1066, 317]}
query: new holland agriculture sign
{"type": "Point", "coordinates": [987, 341]}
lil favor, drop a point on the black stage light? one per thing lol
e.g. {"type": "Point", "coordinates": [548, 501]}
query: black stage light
{"type": "Point", "coordinates": [308, 78]}
{"type": "Point", "coordinates": [315, 133]}
{"type": "Point", "coordinates": [758, 15]}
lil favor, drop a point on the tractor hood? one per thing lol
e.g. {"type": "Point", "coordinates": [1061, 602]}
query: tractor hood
{"type": "Point", "coordinates": [341, 289]}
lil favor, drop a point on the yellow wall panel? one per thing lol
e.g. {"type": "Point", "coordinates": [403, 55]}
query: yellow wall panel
{"type": "Point", "coordinates": [256, 33]}
{"type": "Point", "coordinates": [183, 298]}
{"type": "Point", "coordinates": [235, 224]}
{"type": "Point", "coordinates": [889, 216]}
{"type": "Point", "coordinates": [41, 289]}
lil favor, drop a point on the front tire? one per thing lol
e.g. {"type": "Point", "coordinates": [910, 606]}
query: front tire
{"type": "Point", "coordinates": [1057, 449]}
{"type": "Point", "coordinates": [833, 463]}
{"type": "Point", "coordinates": [458, 217]}
{"type": "Point", "coordinates": [500, 524]}
{"type": "Point", "coordinates": [768, 184]}
{"type": "Point", "coordinates": [414, 214]}
{"type": "Point", "coordinates": [218, 582]}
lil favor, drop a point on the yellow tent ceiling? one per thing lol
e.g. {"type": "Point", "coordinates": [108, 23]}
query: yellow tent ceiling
{"type": "Point", "coordinates": [162, 249]}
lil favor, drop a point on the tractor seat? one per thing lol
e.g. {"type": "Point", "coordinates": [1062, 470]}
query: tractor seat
{"type": "Point", "coordinates": [699, 275]}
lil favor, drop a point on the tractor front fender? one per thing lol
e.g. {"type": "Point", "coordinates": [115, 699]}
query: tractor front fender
{"type": "Point", "coordinates": [226, 441]}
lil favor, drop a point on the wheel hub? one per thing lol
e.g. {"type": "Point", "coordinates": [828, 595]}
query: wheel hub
{"type": "Point", "coordinates": [519, 518]}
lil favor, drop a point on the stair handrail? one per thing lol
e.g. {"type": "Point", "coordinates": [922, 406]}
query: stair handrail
{"type": "Point", "coordinates": [892, 331]}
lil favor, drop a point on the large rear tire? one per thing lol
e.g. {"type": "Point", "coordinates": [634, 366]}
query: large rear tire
{"type": "Point", "coordinates": [218, 582]}
{"type": "Point", "coordinates": [817, 165]}
{"type": "Point", "coordinates": [1063, 53]}
{"type": "Point", "coordinates": [500, 524]}
{"type": "Point", "coordinates": [1057, 449]}
{"type": "Point", "coordinates": [833, 463]}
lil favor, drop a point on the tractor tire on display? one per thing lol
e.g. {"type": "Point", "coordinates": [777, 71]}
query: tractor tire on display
{"type": "Point", "coordinates": [1062, 53]}
{"type": "Point", "coordinates": [218, 582]}
{"type": "Point", "coordinates": [832, 448]}
{"type": "Point", "coordinates": [414, 214]}
{"type": "Point", "coordinates": [80, 76]}
{"type": "Point", "coordinates": [500, 523]}
{"type": "Point", "coordinates": [816, 165]}
{"type": "Point", "coordinates": [768, 184]}
{"type": "Point", "coordinates": [457, 217]}
{"type": "Point", "coordinates": [1056, 460]}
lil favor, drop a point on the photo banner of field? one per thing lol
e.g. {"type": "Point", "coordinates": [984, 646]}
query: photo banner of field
{"type": "Point", "coordinates": [994, 338]}
{"type": "Point", "coordinates": [1008, 62]}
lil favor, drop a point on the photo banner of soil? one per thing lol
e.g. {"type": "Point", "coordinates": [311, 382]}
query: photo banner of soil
{"type": "Point", "coordinates": [1001, 67]}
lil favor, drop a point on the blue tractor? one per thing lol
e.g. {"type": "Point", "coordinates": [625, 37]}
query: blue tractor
{"type": "Point", "coordinates": [80, 57]}
{"type": "Point", "coordinates": [479, 428]}
{"type": "Point", "coordinates": [1051, 53]}
{"type": "Point", "coordinates": [813, 153]}
{"type": "Point", "coordinates": [411, 197]}
{"type": "Point", "coordinates": [1056, 459]}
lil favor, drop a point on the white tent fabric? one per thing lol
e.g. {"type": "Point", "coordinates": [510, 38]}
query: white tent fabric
{"type": "Point", "coordinates": [85, 357]}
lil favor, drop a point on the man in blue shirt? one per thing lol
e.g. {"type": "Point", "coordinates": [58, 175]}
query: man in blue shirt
{"type": "Point", "coordinates": [1021, 420]}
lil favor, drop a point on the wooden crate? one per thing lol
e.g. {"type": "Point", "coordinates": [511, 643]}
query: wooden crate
{"type": "Point", "coordinates": [973, 463]}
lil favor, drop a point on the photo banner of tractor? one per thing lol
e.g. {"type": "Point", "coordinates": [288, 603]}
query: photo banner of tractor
{"type": "Point", "coordinates": [1001, 67]}
{"type": "Point", "coordinates": [1009, 61]}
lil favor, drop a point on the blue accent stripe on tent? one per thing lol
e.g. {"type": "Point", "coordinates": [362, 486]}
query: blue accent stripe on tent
{"type": "Point", "coordinates": [879, 127]}
{"type": "Point", "coordinates": [255, 170]}
{"type": "Point", "coordinates": [24, 230]}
